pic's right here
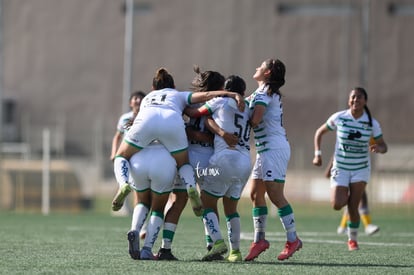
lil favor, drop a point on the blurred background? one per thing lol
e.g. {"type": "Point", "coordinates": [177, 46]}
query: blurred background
{"type": "Point", "coordinates": [67, 69]}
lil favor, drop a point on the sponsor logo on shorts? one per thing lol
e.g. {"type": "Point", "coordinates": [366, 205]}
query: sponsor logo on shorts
{"type": "Point", "coordinates": [202, 172]}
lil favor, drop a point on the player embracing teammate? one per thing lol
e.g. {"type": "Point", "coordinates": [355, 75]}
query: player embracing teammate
{"type": "Point", "coordinates": [160, 119]}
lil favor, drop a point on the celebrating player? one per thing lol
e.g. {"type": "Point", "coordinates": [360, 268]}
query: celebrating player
{"type": "Point", "coordinates": [351, 164]}
{"type": "Point", "coordinates": [231, 166]}
{"type": "Point", "coordinates": [272, 157]}
{"type": "Point", "coordinates": [160, 118]}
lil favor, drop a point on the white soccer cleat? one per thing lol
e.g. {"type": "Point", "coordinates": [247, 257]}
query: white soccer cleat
{"type": "Point", "coordinates": [371, 229]}
{"type": "Point", "coordinates": [195, 201]}
{"type": "Point", "coordinates": [341, 230]}
{"type": "Point", "coordinates": [120, 197]}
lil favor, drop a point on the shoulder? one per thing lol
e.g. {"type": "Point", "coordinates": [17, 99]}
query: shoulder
{"type": "Point", "coordinates": [127, 115]}
{"type": "Point", "coordinates": [343, 113]}
{"type": "Point", "coordinates": [186, 93]}
{"type": "Point", "coordinates": [375, 123]}
{"type": "Point", "coordinates": [153, 92]}
{"type": "Point", "coordinates": [333, 119]}
{"type": "Point", "coordinates": [232, 103]}
{"type": "Point", "coordinates": [181, 95]}
{"type": "Point", "coordinates": [261, 99]}
{"type": "Point", "coordinates": [216, 102]}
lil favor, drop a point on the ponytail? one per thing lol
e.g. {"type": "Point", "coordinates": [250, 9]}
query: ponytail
{"type": "Point", "coordinates": [277, 75]}
{"type": "Point", "coordinates": [162, 80]}
{"type": "Point", "coordinates": [362, 90]}
{"type": "Point", "coordinates": [207, 80]}
{"type": "Point", "coordinates": [369, 115]}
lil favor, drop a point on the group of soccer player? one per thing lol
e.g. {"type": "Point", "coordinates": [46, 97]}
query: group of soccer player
{"type": "Point", "coordinates": [195, 146]}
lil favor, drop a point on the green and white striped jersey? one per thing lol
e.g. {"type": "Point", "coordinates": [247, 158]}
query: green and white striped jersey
{"type": "Point", "coordinates": [352, 139]}
{"type": "Point", "coordinates": [270, 133]}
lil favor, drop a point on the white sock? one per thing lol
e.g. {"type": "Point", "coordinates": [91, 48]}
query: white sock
{"type": "Point", "coordinates": [288, 223]}
{"type": "Point", "coordinates": [209, 241]}
{"type": "Point", "coordinates": [259, 224]}
{"type": "Point", "coordinates": [153, 229]}
{"type": "Point", "coordinates": [211, 222]}
{"type": "Point", "coordinates": [121, 170]}
{"type": "Point", "coordinates": [187, 175]}
{"type": "Point", "coordinates": [139, 216]}
{"type": "Point", "coordinates": [233, 231]}
{"type": "Point", "coordinates": [352, 233]}
{"type": "Point", "coordinates": [168, 235]}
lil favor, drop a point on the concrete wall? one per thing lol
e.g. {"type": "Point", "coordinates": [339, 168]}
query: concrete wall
{"type": "Point", "coordinates": [63, 61]}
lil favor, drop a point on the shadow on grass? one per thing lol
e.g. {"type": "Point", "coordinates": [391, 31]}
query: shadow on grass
{"type": "Point", "coordinates": [305, 264]}
{"type": "Point", "coordinates": [334, 264]}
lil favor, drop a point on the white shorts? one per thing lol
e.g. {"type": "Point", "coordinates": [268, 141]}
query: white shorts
{"type": "Point", "coordinates": [271, 165]}
{"type": "Point", "coordinates": [179, 185]}
{"type": "Point", "coordinates": [199, 158]}
{"type": "Point", "coordinates": [163, 125]}
{"type": "Point", "coordinates": [153, 168]}
{"type": "Point", "coordinates": [341, 177]}
{"type": "Point", "coordinates": [227, 174]}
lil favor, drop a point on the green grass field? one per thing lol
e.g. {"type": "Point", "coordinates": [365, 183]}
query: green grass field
{"type": "Point", "coordinates": [95, 243]}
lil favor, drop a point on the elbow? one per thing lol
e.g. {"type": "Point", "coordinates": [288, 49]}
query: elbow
{"type": "Point", "coordinates": [192, 113]}
{"type": "Point", "coordinates": [253, 123]}
{"type": "Point", "coordinates": [320, 132]}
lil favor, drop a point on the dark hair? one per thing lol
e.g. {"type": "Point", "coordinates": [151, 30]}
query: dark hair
{"type": "Point", "coordinates": [140, 94]}
{"type": "Point", "coordinates": [235, 84]}
{"type": "Point", "coordinates": [362, 90]}
{"type": "Point", "coordinates": [207, 80]}
{"type": "Point", "coordinates": [162, 80]}
{"type": "Point", "coordinates": [277, 75]}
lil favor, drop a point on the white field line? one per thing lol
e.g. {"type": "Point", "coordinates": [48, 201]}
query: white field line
{"type": "Point", "coordinates": [247, 235]}
{"type": "Point", "coordinates": [309, 237]}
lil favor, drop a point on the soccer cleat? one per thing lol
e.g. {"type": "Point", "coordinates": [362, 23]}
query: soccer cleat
{"type": "Point", "coordinates": [120, 196]}
{"type": "Point", "coordinates": [256, 249]}
{"type": "Point", "coordinates": [371, 229]}
{"type": "Point", "coordinates": [166, 255]}
{"type": "Point", "coordinates": [216, 258]}
{"type": "Point", "coordinates": [352, 245]}
{"type": "Point", "coordinates": [195, 201]}
{"type": "Point", "coordinates": [341, 230]}
{"type": "Point", "coordinates": [290, 248]}
{"type": "Point", "coordinates": [219, 248]}
{"type": "Point", "coordinates": [234, 256]}
{"type": "Point", "coordinates": [133, 244]}
{"type": "Point", "coordinates": [146, 254]}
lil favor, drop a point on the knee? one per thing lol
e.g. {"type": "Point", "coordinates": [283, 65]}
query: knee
{"type": "Point", "coordinates": [337, 205]}
{"type": "Point", "coordinates": [257, 199]}
{"type": "Point", "coordinates": [252, 196]}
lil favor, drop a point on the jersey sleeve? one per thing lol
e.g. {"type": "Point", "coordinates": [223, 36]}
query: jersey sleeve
{"type": "Point", "coordinates": [376, 129]}
{"type": "Point", "coordinates": [232, 103]}
{"type": "Point", "coordinates": [123, 120]}
{"type": "Point", "coordinates": [188, 96]}
{"type": "Point", "coordinates": [332, 121]}
{"type": "Point", "coordinates": [213, 104]}
{"type": "Point", "coordinates": [260, 99]}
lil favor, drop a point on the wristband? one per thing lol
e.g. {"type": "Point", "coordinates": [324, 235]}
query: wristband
{"type": "Point", "coordinates": [318, 153]}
